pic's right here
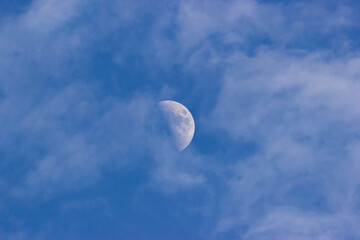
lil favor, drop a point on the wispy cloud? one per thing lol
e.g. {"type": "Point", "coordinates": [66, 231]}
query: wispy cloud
{"type": "Point", "coordinates": [299, 111]}
{"type": "Point", "coordinates": [78, 92]}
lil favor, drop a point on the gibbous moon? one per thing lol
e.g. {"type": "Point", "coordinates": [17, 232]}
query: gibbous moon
{"type": "Point", "coordinates": [181, 122]}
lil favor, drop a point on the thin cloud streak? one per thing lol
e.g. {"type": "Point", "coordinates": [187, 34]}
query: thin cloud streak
{"type": "Point", "coordinates": [73, 107]}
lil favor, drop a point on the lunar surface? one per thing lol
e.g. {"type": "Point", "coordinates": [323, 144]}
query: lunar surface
{"type": "Point", "coordinates": [181, 122]}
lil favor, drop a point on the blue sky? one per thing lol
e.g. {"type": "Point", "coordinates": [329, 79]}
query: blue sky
{"type": "Point", "coordinates": [273, 87]}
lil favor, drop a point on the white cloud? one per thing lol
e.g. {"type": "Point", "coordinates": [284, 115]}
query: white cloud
{"type": "Point", "coordinates": [297, 105]}
{"type": "Point", "coordinates": [300, 112]}
{"type": "Point", "coordinates": [176, 171]}
{"type": "Point", "coordinates": [45, 15]}
{"type": "Point", "coordinates": [290, 224]}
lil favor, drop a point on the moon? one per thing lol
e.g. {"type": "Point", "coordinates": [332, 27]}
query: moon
{"type": "Point", "coordinates": [181, 122]}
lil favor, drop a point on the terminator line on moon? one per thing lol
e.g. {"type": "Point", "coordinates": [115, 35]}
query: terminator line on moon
{"type": "Point", "coordinates": [182, 124]}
